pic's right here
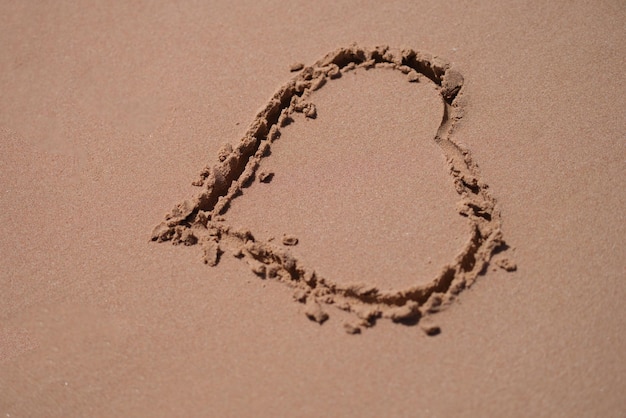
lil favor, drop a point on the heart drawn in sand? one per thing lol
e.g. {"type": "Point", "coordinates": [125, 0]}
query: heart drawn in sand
{"type": "Point", "coordinates": [203, 220]}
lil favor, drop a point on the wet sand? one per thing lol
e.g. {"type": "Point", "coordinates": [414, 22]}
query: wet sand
{"type": "Point", "coordinates": [108, 114]}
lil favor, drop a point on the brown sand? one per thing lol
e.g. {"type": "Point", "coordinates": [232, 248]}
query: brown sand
{"type": "Point", "coordinates": [108, 112]}
{"type": "Point", "coordinates": [392, 180]}
{"type": "Point", "coordinates": [203, 220]}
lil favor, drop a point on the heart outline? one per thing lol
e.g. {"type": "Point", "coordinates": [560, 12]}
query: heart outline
{"type": "Point", "coordinates": [200, 220]}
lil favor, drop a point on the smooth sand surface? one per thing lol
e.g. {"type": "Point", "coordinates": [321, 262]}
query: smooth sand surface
{"type": "Point", "coordinates": [379, 204]}
{"type": "Point", "coordinates": [109, 112]}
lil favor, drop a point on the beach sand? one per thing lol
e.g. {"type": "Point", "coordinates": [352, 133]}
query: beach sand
{"type": "Point", "coordinates": [407, 244]}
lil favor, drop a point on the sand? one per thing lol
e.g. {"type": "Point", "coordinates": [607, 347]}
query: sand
{"type": "Point", "coordinates": [203, 220]}
{"type": "Point", "coordinates": [428, 229]}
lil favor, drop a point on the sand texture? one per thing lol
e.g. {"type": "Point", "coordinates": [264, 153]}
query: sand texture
{"type": "Point", "coordinates": [380, 208]}
{"type": "Point", "coordinates": [201, 220]}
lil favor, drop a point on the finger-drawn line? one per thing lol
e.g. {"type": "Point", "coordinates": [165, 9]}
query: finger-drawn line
{"type": "Point", "coordinates": [202, 220]}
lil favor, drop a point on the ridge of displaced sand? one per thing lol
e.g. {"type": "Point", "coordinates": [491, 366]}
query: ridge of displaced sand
{"type": "Point", "coordinates": [201, 220]}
